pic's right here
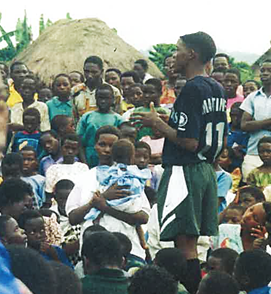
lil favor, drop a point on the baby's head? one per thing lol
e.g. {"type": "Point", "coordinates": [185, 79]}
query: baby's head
{"type": "Point", "coordinates": [233, 214]}
{"type": "Point", "coordinates": [123, 151]}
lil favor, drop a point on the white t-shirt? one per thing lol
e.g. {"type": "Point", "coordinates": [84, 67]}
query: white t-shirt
{"type": "Point", "coordinates": [82, 193]}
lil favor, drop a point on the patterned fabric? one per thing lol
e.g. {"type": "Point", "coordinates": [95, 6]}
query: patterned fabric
{"type": "Point", "coordinates": [57, 107]}
{"type": "Point", "coordinates": [52, 230]}
{"type": "Point", "coordinates": [46, 162]}
{"type": "Point", "coordinates": [59, 172]}
{"type": "Point", "coordinates": [17, 114]}
{"type": "Point", "coordinates": [84, 100]}
{"type": "Point", "coordinates": [168, 95]}
{"type": "Point", "coordinates": [258, 178]}
{"type": "Point", "coordinates": [22, 139]}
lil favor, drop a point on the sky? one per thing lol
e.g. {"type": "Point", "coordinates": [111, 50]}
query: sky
{"type": "Point", "coordinates": [235, 25]}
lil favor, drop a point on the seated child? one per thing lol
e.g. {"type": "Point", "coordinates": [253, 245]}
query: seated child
{"type": "Point", "coordinates": [30, 175]}
{"type": "Point", "coordinates": [222, 259]}
{"type": "Point", "coordinates": [50, 143]}
{"type": "Point", "coordinates": [124, 174]}
{"type": "Point", "coordinates": [31, 134]}
{"type": "Point", "coordinates": [261, 176]}
{"type": "Point", "coordinates": [237, 139]}
{"type": "Point", "coordinates": [62, 125]}
{"type": "Point", "coordinates": [33, 224]}
{"type": "Point", "coordinates": [241, 237]}
{"type": "Point", "coordinates": [10, 233]}
{"type": "Point", "coordinates": [152, 93]}
{"type": "Point", "coordinates": [174, 261]}
{"type": "Point", "coordinates": [70, 234]}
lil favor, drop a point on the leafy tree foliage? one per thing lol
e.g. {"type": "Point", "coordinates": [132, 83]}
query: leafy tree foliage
{"type": "Point", "coordinates": [244, 68]}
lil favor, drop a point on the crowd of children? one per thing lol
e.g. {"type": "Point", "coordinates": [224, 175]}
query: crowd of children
{"type": "Point", "coordinates": [88, 158]}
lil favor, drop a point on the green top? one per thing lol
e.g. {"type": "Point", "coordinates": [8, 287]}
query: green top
{"type": "Point", "coordinates": [87, 127]}
{"type": "Point", "coordinates": [148, 131]}
{"type": "Point", "coordinates": [259, 178]}
{"type": "Point", "coordinates": [57, 107]}
{"type": "Point", "coordinates": [105, 281]}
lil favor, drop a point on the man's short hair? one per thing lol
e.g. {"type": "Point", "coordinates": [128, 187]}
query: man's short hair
{"type": "Point", "coordinates": [117, 71]}
{"type": "Point", "coordinates": [110, 130]}
{"type": "Point", "coordinates": [143, 63]}
{"type": "Point", "coordinates": [132, 74]}
{"type": "Point", "coordinates": [222, 55]}
{"type": "Point", "coordinates": [17, 63]}
{"type": "Point", "coordinates": [201, 43]}
{"type": "Point", "coordinates": [11, 159]}
{"type": "Point", "coordinates": [94, 59]}
{"type": "Point", "coordinates": [234, 71]}
{"type": "Point", "coordinates": [102, 249]}
{"type": "Point", "coordinates": [153, 279]}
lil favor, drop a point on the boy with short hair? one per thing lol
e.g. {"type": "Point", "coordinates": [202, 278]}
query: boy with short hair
{"type": "Point", "coordinates": [194, 137]}
{"type": "Point", "coordinates": [92, 121]}
{"type": "Point", "coordinates": [31, 134]}
{"type": "Point", "coordinates": [30, 175]}
{"type": "Point", "coordinates": [62, 125]}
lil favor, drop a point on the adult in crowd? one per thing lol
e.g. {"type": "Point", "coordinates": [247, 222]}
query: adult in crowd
{"type": "Point", "coordinates": [141, 67]}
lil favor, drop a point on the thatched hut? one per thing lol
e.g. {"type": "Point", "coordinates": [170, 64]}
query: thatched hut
{"type": "Point", "coordinates": [64, 46]}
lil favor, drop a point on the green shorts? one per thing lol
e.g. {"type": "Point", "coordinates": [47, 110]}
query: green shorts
{"type": "Point", "coordinates": [187, 201]}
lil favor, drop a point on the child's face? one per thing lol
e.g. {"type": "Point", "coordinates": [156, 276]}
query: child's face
{"type": "Point", "coordinates": [104, 100]}
{"type": "Point", "coordinates": [151, 94]}
{"type": "Point", "coordinates": [230, 83]}
{"type": "Point", "coordinates": [113, 79]}
{"type": "Point", "coordinates": [12, 171]}
{"type": "Point", "coordinates": [253, 217]}
{"type": "Point", "coordinates": [125, 83]}
{"type": "Point", "coordinates": [45, 95]}
{"type": "Point", "coordinates": [136, 96]}
{"type": "Point", "coordinates": [4, 92]}
{"type": "Point", "coordinates": [142, 158]}
{"type": "Point", "coordinates": [28, 90]}
{"type": "Point", "coordinates": [129, 133]}
{"type": "Point", "coordinates": [75, 79]}
{"type": "Point", "coordinates": [266, 73]}
{"type": "Point", "coordinates": [103, 148]}
{"type": "Point", "coordinates": [248, 88]}
{"type": "Point", "coordinates": [265, 153]}
{"type": "Point", "coordinates": [70, 128]}
{"type": "Point", "coordinates": [17, 208]}
{"type": "Point", "coordinates": [35, 231]}
{"type": "Point", "coordinates": [31, 123]}
{"type": "Point", "coordinates": [224, 160]}
{"type": "Point", "coordinates": [236, 116]}
{"type": "Point", "coordinates": [69, 150]}
{"type": "Point", "coordinates": [232, 216]}
{"type": "Point", "coordinates": [246, 200]}
{"type": "Point", "coordinates": [61, 196]}
{"type": "Point", "coordinates": [14, 235]}
{"type": "Point", "coordinates": [62, 87]}
{"type": "Point", "coordinates": [30, 163]}
{"type": "Point", "coordinates": [50, 144]}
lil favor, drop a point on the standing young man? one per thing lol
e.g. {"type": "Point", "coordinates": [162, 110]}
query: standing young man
{"type": "Point", "coordinates": [187, 195]}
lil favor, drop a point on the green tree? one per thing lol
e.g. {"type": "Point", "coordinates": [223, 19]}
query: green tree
{"type": "Point", "coordinates": [23, 34]}
{"type": "Point", "coordinates": [68, 16]}
{"type": "Point", "coordinates": [41, 24]}
{"type": "Point", "coordinates": [159, 52]}
{"type": "Point", "coordinates": [244, 68]}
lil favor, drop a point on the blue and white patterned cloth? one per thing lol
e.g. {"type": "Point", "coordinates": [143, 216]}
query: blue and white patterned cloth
{"type": "Point", "coordinates": [122, 175]}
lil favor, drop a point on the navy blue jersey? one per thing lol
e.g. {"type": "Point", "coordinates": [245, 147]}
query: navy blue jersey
{"type": "Point", "coordinates": [199, 113]}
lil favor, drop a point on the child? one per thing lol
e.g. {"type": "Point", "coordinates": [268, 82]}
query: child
{"type": "Point", "coordinates": [30, 175]}
{"type": "Point", "coordinates": [261, 176]}
{"type": "Point", "coordinates": [250, 86]}
{"type": "Point", "coordinates": [76, 78]}
{"type": "Point", "coordinates": [51, 145]}
{"type": "Point", "coordinates": [241, 237]}
{"type": "Point", "coordinates": [15, 197]}
{"type": "Point", "coordinates": [12, 166]}
{"type": "Point", "coordinates": [27, 91]}
{"type": "Point", "coordinates": [45, 94]}
{"type": "Point", "coordinates": [10, 233]}
{"type": "Point", "coordinates": [179, 84]}
{"type": "Point", "coordinates": [173, 260]}
{"type": "Point", "coordinates": [68, 169]}
{"type": "Point", "coordinates": [233, 214]}
{"type": "Point", "coordinates": [62, 125]}
{"type": "Point", "coordinates": [60, 103]}
{"type": "Point", "coordinates": [152, 93]}
{"type": "Point", "coordinates": [31, 134]}
{"type": "Point", "coordinates": [123, 173]}
{"type": "Point", "coordinates": [126, 247]}
{"type": "Point", "coordinates": [70, 234]}
{"type": "Point", "coordinates": [33, 224]}
{"type": "Point", "coordinates": [128, 132]}
{"type": "Point", "coordinates": [237, 139]}
{"type": "Point", "coordinates": [92, 121]}
{"type": "Point", "coordinates": [222, 259]}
